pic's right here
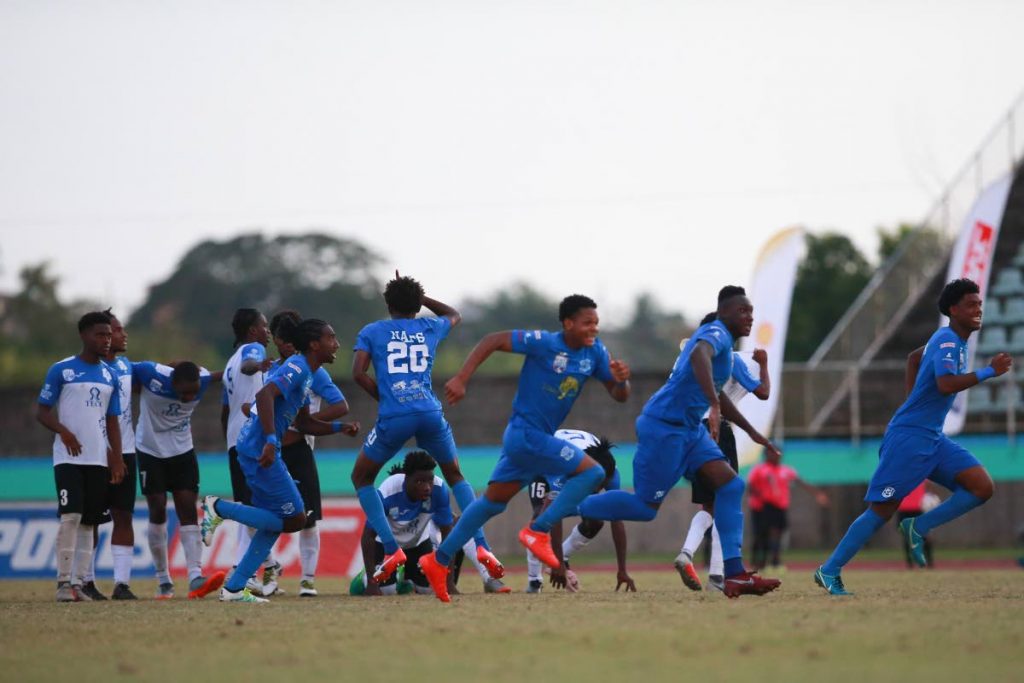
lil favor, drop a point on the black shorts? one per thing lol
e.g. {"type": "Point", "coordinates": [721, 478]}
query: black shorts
{"type": "Point", "coordinates": [239, 488]}
{"type": "Point", "coordinates": [412, 567]}
{"type": "Point", "coordinates": [122, 496]}
{"type": "Point", "coordinates": [298, 458]}
{"type": "Point", "coordinates": [770, 517]}
{"type": "Point", "coordinates": [160, 475]}
{"type": "Point", "coordinates": [702, 493]}
{"type": "Point", "coordinates": [539, 490]}
{"type": "Point", "coordinates": [82, 489]}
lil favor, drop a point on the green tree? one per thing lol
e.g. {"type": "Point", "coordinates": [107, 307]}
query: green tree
{"type": "Point", "coordinates": [829, 278]}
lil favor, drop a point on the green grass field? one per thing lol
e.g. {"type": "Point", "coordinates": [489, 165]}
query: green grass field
{"type": "Point", "coordinates": [907, 626]}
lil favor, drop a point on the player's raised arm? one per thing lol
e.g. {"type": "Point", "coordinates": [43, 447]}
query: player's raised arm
{"type": "Point", "coordinates": [618, 386]}
{"type": "Point", "coordinates": [442, 310]}
{"type": "Point", "coordinates": [951, 384]}
{"type": "Point", "coordinates": [700, 361]}
{"type": "Point", "coordinates": [765, 389]}
{"type": "Point", "coordinates": [455, 389]}
{"type": "Point", "coordinates": [913, 365]}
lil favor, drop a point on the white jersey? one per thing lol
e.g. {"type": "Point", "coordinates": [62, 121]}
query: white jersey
{"type": "Point", "coordinates": [240, 389]}
{"type": "Point", "coordinates": [85, 395]}
{"type": "Point", "coordinates": [122, 368]}
{"type": "Point", "coordinates": [165, 421]}
{"type": "Point", "coordinates": [577, 437]}
{"type": "Point", "coordinates": [410, 520]}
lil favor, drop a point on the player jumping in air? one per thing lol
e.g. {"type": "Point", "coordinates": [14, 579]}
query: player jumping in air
{"type": "Point", "coordinates": [555, 368]}
{"type": "Point", "coordinates": [672, 442]}
{"type": "Point", "coordinates": [914, 448]}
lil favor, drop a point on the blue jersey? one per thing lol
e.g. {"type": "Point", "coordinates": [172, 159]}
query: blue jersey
{"type": "Point", "coordinates": [322, 389]}
{"type": "Point", "coordinates": [122, 369]}
{"type": "Point", "coordinates": [926, 408]}
{"type": "Point", "coordinates": [85, 395]}
{"type": "Point", "coordinates": [409, 519]}
{"type": "Point", "coordinates": [295, 380]}
{"type": "Point", "coordinates": [402, 352]}
{"type": "Point", "coordinates": [552, 377]}
{"type": "Point", "coordinates": [681, 400]}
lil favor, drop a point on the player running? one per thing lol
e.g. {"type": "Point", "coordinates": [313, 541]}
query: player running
{"type": "Point", "coordinates": [402, 351]}
{"type": "Point", "coordinates": [276, 504]}
{"type": "Point", "coordinates": [673, 443]}
{"type": "Point", "coordinates": [556, 366]}
{"type": "Point", "coordinates": [914, 448]}
{"type": "Point", "coordinates": [86, 448]}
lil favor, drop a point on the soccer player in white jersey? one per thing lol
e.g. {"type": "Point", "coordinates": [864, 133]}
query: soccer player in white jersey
{"type": "Point", "coordinates": [244, 375]}
{"type": "Point", "coordinates": [87, 445]}
{"type": "Point", "coordinates": [167, 463]}
{"type": "Point", "coordinates": [743, 381]}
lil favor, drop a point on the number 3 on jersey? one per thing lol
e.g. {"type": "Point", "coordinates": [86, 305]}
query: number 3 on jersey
{"type": "Point", "coordinates": [405, 358]}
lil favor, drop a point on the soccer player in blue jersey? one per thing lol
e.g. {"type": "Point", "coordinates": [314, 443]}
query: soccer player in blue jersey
{"type": "Point", "coordinates": [86, 448]}
{"type": "Point", "coordinates": [673, 443]}
{"type": "Point", "coordinates": [244, 375]}
{"type": "Point", "coordinates": [282, 402]}
{"type": "Point", "coordinates": [167, 464]}
{"type": "Point", "coordinates": [555, 368]}
{"type": "Point", "coordinates": [914, 448]}
{"type": "Point", "coordinates": [401, 351]}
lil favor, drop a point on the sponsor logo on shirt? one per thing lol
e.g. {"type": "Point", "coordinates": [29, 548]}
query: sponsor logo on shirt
{"type": "Point", "coordinates": [94, 398]}
{"type": "Point", "coordinates": [947, 345]}
{"type": "Point", "coordinates": [568, 388]}
{"type": "Point", "coordinates": [173, 410]}
{"type": "Point", "coordinates": [560, 363]}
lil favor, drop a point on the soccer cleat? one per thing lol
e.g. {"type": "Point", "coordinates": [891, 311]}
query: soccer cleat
{"type": "Point", "coordinates": [687, 572]}
{"type": "Point", "coordinates": [535, 586]}
{"type": "Point", "coordinates": [307, 589]}
{"type": "Point", "coordinates": [66, 593]}
{"type": "Point", "coordinates": [80, 594]}
{"type": "Point", "coordinates": [254, 585]}
{"type": "Point", "coordinates": [271, 576]}
{"type": "Point", "coordinates": [358, 584]}
{"type": "Point", "coordinates": [211, 520]}
{"type": "Point", "coordinates": [90, 589]}
{"type": "Point", "coordinates": [122, 592]}
{"type": "Point", "coordinates": [915, 541]}
{"type": "Point", "coordinates": [493, 585]}
{"type": "Point", "coordinates": [240, 596]}
{"type": "Point", "coordinates": [165, 591]}
{"type": "Point", "coordinates": [201, 586]}
{"type": "Point", "coordinates": [386, 568]}
{"type": "Point", "coordinates": [437, 576]}
{"type": "Point", "coordinates": [833, 584]}
{"type": "Point", "coordinates": [539, 543]}
{"type": "Point", "coordinates": [748, 583]}
{"type": "Point", "coordinates": [485, 557]}
{"type": "Point", "coordinates": [717, 582]}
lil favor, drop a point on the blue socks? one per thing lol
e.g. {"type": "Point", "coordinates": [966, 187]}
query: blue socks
{"type": "Point", "coordinates": [617, 505]}
{"type": "Point", "coordinates": [576, 488]}
{"type": "Point", "coordinates": [729, 522]}
{"type": "Point", "coordinates": [464, 496]}
{"type": "Point", "coordinates": [259, 548]}
{"type": "Point", "coordinates": [373, 507]}
{"type": "Point", "coordinates": [961, 502]}
{"type": "Point", "coordinates": [863, 528]}
{"type": "Point", "coordinates": [257, 518]}
{"type": "Point", "coordinates": [473, 518]}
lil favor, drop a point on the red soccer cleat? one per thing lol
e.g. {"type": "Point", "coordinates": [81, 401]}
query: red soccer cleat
{"type": "Point", "coordinates": [437, 576]}
{"type": "Point", "coordinates": [386, 568]}
{"type": "Point", "coordinates": [539, 543]}
{"type": "Point", "coordinates": [748, 583]}
{"type": "Point", "coordinates": [485, 557]}
{"type": "Point", "coordinates": [211, 584]}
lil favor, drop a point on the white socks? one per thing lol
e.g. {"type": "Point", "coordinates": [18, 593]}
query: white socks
{"type": "Point", "coordinates": [533, 567]}
{"type": "Point", "coordinates": [309, 551]}
{"type": "Point", "coordinates": [575, 541]}
{"type": "Point", "coordinates": [717, 567]}
{"type": "Point", "coordinates": [123, 556]}
{"type": "Point", "coordinates": [66, 535]}
{"type": "Point", "coordinates": [156, 534]}
{"type": "Point", "coordinates": [83, 553]}
{"type": "Point", "coordinates": [192, 544]}
{"type": "Point", "coordinates": [698, 527]}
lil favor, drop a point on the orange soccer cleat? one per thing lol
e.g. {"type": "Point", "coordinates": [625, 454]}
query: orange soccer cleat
{"type": "Point", "coordinates": [204, 587]}
{"type": "Point", "coordinates": [485, 557]}
{"type": "Point", "coordinates": [437, 576]}
{"type": "Point", "coordinates": [539, 543]}
{"type": "Point", "coordinates": [386, 568]}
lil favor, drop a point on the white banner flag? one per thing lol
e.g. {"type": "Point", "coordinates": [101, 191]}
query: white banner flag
{"type": "Point", "coordinates": [771, 291]}
{"type": "Point", "coordinates": [972, 258]}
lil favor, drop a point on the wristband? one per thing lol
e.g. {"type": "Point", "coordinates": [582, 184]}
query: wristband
{"type": "Point", "coordinates": [337, 426]}
{"type": "Point", "coordinates": [272, 439]}
{"type": "Point", "coordinates": [987, 372]}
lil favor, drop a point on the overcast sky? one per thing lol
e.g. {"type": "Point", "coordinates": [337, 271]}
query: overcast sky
{"type": "Point", "coordinates": [601, 147]}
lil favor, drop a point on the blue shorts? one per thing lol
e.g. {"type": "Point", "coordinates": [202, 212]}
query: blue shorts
{"type": "Point", "coordinates": [665, 453]}
{"type": "Point", "coordinates": [527, 452]}
{"type": "Point", "coordinates": [272, 487]}
{"type": "Point", "coordinates": [433, 434]}
{"type": "Point", "coordinates": [908, 457]}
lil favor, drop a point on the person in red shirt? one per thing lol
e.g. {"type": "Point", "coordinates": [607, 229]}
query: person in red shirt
{"type": "Point", "coordinates": [917, 502]}
{"type": "Point", "coordinates": [768, 497]}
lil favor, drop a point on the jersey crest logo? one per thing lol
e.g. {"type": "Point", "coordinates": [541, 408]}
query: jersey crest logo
{"type": "Point", "coordinates": [173, 410]}
{"type": "Point", "coordinates": [68, 375]}
{"type": "Point", "coordinates": [567, 453]}
{"type": "Point", "coordinates": [155, 386]}
{"type": "Point", "coordinates": [888, 492]}
{"type": "Point", "coordinates": [560, 363]}
{"type": "Point", "coordinates": [94, 398]}
{"type": "Point", "coordinates": [586, 365]}
{"type": "Point", "coordinates": [568, 388]}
